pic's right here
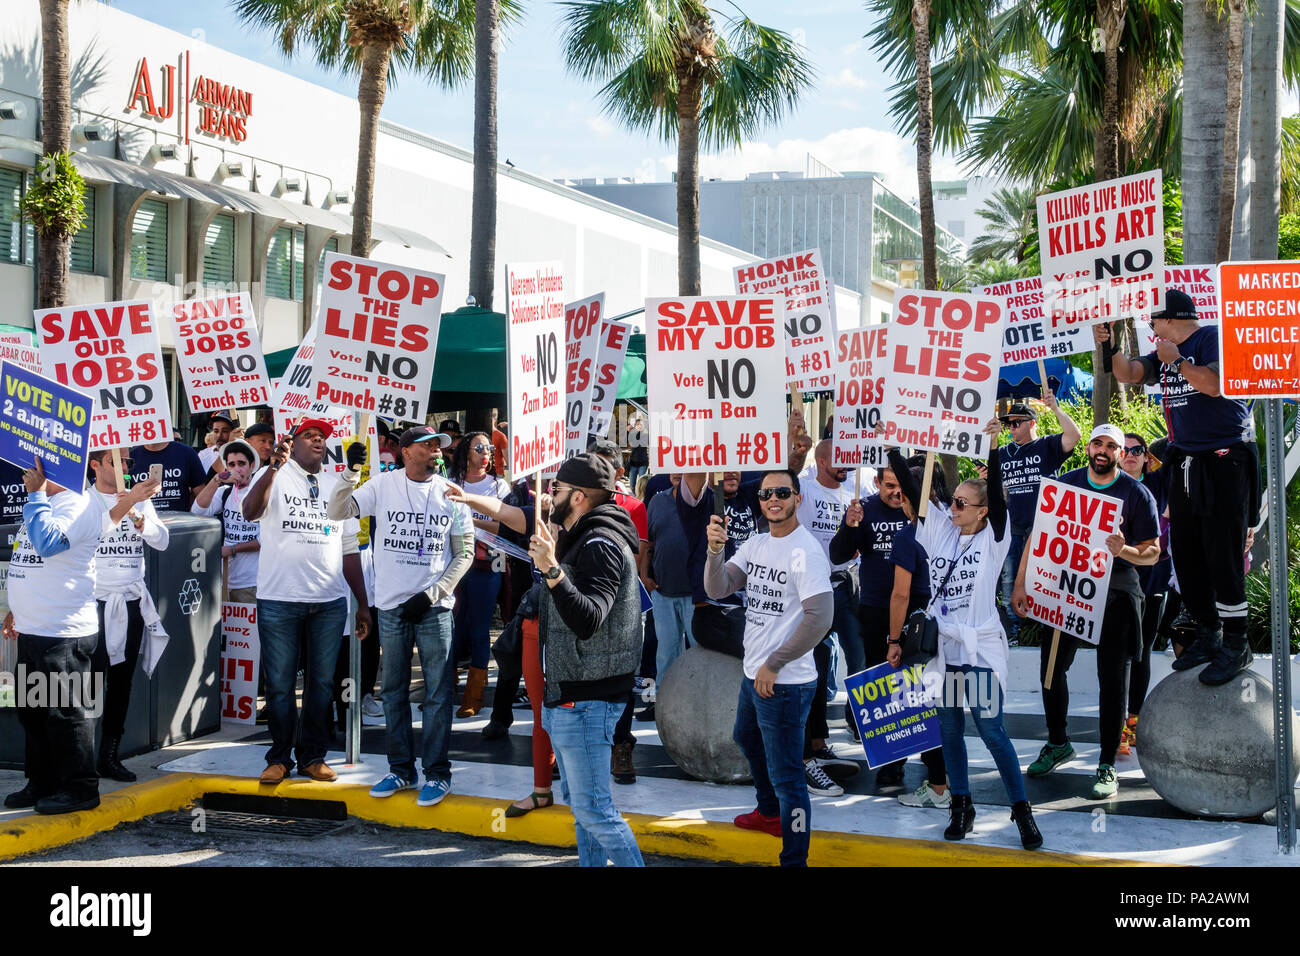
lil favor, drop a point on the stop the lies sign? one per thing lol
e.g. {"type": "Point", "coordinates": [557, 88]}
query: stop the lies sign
{"type": "Point", "coordinates": [1259, 329]}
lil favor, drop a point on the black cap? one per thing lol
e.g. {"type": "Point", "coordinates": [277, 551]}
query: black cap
{"type": "Point", "coordinates": [259, 428]}
{"type": "Point", "coordinates": [1178, 305]}
{"type": "Point", "coordinates": [423, 433]}
{"type": "Point", "coordinates": [224, 416]}
{"type": "Point", "coordinates": [588, 471]}
{"type": "Point", "coordinates": [1021, 410]}
{"type": "Point", "coordinates": [449, 426]}
{"type": "Point", "coordinates": [606, 449]}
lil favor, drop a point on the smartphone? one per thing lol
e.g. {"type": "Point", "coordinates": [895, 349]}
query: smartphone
{"type": "Point", "coordinates": [155, 473]}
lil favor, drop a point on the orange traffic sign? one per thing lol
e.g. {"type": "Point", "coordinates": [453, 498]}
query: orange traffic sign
{"type": "Point", "coordinates": [1259, 334]}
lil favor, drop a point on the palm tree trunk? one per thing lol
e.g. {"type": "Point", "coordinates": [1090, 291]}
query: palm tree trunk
{"type": "Point", "coordinates": [1266, 128]}
{"type": "Point", "coordinates": [370, 97]}
{"type": "Point", "coordinates": [1232, 129]}
{"type": "Point", "coordinates": [483, 206]}
{"type": "Point", "coordinates": [56, 109]}
{"type": "Point", "coordinates": [1110, 19]}
{"type": "Point", "coordinates": [688, 185]}
{"type": "Point", "coordinates": [924, 139]}
{"type": "Point", "coordinates": [1204, 52]}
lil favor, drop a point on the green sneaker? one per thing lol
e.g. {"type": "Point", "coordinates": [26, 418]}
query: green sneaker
{"type": "Point", "coordinates": [1106, 785]}
{"type": "Point", "coordinates": [1049, 758]}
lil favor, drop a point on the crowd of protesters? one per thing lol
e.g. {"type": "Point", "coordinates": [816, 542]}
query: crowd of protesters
{"type": "Point", "coordinates": [790, 571]}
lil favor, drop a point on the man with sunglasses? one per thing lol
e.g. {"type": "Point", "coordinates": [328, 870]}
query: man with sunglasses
{"type": "Point", "coordinates": [308, 563]}
{"type": "Point", "coordinates": [788, 610]}
{"type": "Point", "coordinates": [1214, 493]}
{"type": "Point", "coordinates": [1136, 545]}
{"type": "Point", "coordinates": [1025, 459]}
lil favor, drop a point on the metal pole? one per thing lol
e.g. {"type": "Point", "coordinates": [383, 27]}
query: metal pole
{"type": "Point", "coordinates": [354, 679]}
{"type": "Point", "coordinates": [1281, 625]}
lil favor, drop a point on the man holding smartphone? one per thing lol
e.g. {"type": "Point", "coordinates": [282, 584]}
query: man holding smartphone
{"type": "Point", "coordinates": [177, 466]}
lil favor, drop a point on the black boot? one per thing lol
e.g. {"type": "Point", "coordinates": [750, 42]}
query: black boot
{"type": "Point", "coordinates": [1232, 658]}
{"type": "Point", "coordinates": [1202, 651]}
{"type": "Point", "coordinates": [109, 765]}
{"type": "Point", "coordinates": [1030, 838]}
{"type": "Point", "coordinates": [962, 814]}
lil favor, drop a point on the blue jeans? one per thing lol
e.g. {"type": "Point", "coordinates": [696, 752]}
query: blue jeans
{"type": "Point", "coordinates": [1007, 583]}
{"type": "Point", "coordinates": [988, 721]}
{"type": "Point", "coordinates": [476, 599]}
{"type": "Point", "coordinates": [432, 638]}
{"type": "Point", "coordinates": [770, 733]}
{"type": "Point", "coordinates": [635, 472]}
{"type": "Point", "coordinates": [583, 737]}
{"type": "Point", "coordinates": [279, 625]}
{"type": "Point", "coordinates": [672, 616]}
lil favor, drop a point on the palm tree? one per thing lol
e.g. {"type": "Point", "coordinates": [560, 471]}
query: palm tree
{"type": "Point", "coordinates": [1012, 215]}
{"type": "Point", "coordinates": [1266, 65]}
{"type": "Point", "coordinates": [54, 245]}
{"type": "Point", "coordinates": [668, 70]}
{"type": "Point", "coordinates": [483, 204]}
{"type": "Point", "coordinates": [1232, 130]}
{"type": "Point", "coordinates": [368, 38]}
{"type": "Point", "coordinates": [924, 139]}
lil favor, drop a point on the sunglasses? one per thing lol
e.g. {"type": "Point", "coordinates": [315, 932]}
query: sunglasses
{"type": "Point", "coordinates": [782, 494]}
{"type": "Point", "coordinates": [961, 504]}
{"type": "Point", "coordinates": [1015, 422]}
{"type": "Point", "coordinates": [481, 449]}
{"type": "Point", "coordinates": [313, 487]}
{"type": "Point", "coordinates": [1135, 450]}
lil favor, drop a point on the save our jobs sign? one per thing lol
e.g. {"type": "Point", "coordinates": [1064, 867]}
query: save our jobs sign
{"type": "Point", "coordinates": [809, 326]}
{"type": "Point", "coordinates": [1068, 571]}
{"type": "Point", "coordinates": [220, 353]}
{"type": "Point", "coordinates": [39, 418]}
{"type": "Point", "coordinates": [614, 337]}
{"type": "Point", "coordinates": [377, 337]}
{"type": "Point", "coordinates": [241, 655]}
{"type": "Point", "coordinates": [1102, 248]}
{"type": "Point", "coordinates": [1025, 337]}
{"type": "Point", "coordinates": [111, 352]}
{"type": "Point", "coordinates": [860, 356]}
{"type": "Point", "coordinates": [582, 325]}
{"type": "Point", "coordinates": [534, 344]}
{"type": "Point", "coordinates": [941, 381]}
{"type": "Point", "coordinates": [710, 365]}
{"type": "Point", "coordinates": [1259, 332]}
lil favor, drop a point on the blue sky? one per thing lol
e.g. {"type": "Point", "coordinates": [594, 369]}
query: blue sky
{"type": "Point", "coordinates": [550, 123]}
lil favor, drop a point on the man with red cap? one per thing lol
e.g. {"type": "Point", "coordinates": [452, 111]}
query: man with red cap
{"type": "Point", "coordinates": [308, 563]}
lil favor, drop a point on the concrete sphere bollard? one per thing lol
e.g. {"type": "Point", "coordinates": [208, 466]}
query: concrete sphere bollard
{"type": "Point", "coordinates": [1209, 750]}
{"type": "Point", "coordinates": [695, 710]}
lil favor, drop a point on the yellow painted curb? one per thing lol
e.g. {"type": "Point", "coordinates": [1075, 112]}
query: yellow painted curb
{"type": "Point", "coordinates": [553, 826]}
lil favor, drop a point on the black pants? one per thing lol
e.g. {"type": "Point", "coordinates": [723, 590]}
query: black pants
{"type": "Point", "coordinates": [623, 729]}
{"type": "Point", "coordinates": [873, 624]}
{"type": "Point", "coordinates": [649, 648]}
{"type": "Point", "coordinates": [1207, 533]}
{"type": "Point", "coordinates": [117, 696]}
{"type": "Point", "coordinates": [510, 671]}
{"type": "Point", "coordinates": [720, 629]}
{"type": "Point", "coordinates": [1139, 672]}
{"type": "Point", "coordinates": [1112, 675]}
{"type": "Point", "coordinates": [60, 740]}
{"type": "Point", "coordinates": [816, 728]}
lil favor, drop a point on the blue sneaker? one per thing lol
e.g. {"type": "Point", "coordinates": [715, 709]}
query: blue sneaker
{"type": "Point", "coordinates": [432, 792]}
{"type": "Point", "coordinates": [390, 785]}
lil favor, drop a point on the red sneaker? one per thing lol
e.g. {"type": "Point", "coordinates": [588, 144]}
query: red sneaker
{"type": "Point", "coordinates": [757, 821]}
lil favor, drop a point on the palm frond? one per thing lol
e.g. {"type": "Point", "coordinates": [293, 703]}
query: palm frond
{"type": "Point", "coordinates": [761, 74]}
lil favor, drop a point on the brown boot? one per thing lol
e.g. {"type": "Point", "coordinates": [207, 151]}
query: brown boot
{"type": "Point", "coordinates": [472, 702]}
{"type": "Point", "coordinates": [620, 762]}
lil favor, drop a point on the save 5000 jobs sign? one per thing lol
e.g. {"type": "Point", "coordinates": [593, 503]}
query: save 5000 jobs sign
{"type": "Point", "coordinates": [110, 351]}
{"type": "Point", "coordinates": [809, 328]}
{"type": "Point", "coordinates": [859, 391]}
{"type": "Point", "coordinates": [941, 383]}
{"type": "Point", "coordinates": [534, 336]}
{"type": "Point", "coordinates": [710, 366]}
{"type": "Point", "coordinates": [220, 353]}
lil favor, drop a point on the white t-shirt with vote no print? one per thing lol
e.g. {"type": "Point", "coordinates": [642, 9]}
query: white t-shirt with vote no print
{"type": "Point", "coordinates": [821, 511]}
{"type": "Point", "coordinates": [55, 596]}
{"type": "Point", "coordinates": [242, 566]}
{"type": "Point", "coordinates": [119, 559]}
{"type": "Point", "coordinates": [780, 574]}
{"type": "Point", "coordinates": [411, 534]}
{"type": "Point", "coordinates": [302, 550]}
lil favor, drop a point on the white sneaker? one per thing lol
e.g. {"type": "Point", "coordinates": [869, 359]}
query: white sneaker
{"type": "Point", "coordinates": [927, 798]}
{"type": "Point", "coordinates": [370, 707]}
{"type": "Point", "coordinates": [819, 781]}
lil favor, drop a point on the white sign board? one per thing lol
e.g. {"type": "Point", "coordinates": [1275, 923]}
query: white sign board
{"type": "Point", "coordinates": [1025, 337]}
{"type": "Point", "coordinates": [220, 353]}
{"type": "Point", "coordinates": [861, 357]}
{"type": "Point", "coordinates": [241, 655]}
{"type": "Point", "coordinates": [582, 325]}
{"type": "Point", "coordinates": [534, 338]}
{"type": "Point", "coordinates": [614, 337]}
{"type": "Point", "coordinates": [809, 313]}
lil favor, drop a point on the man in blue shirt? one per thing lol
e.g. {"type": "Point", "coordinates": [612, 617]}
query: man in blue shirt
{"type": "Point", "coordinates": [1214, 496]}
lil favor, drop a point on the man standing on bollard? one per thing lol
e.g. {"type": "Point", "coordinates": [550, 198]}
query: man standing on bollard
{"type": "Point", "coordinates": [423, 544]}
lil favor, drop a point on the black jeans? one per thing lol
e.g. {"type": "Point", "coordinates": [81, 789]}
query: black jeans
{"type": "Point", "coordinates": [60, 740]}
{"type": "Point", "coordinates": [1139, 672]}
{"type": "Point", "coordinates": [623, 729]}
{"type": "Point", "coordinates": [119, 676]}
{"type": "Point", "coordinates": [816, 728]}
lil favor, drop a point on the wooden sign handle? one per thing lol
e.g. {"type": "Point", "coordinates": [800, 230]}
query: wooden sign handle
{"type": "Point", "coordinates": [719, 500]}
{"type": "Point", "coordinates": [1042, 373]}
{"type": "Point", "coordinates": [1051, 658]}
{"type": "Point", "coordinates": [924, 509]}
{"type": "Point", "coordinates": [117, 470]}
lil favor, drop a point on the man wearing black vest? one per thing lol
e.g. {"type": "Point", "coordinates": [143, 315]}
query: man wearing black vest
{"type": "Point", "coordinates": [591, 600]}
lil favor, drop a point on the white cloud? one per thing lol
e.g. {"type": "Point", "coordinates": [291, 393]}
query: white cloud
{"type": "Point", "coordinates": [600, 126]}
{"type": "Point", "coordinates": [847, 79]}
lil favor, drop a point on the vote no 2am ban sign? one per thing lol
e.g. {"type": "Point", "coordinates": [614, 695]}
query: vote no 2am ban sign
{"type": "Point", "coordinates": [1067, 574]}
{"type": "Point", "coordinates": [710, 366]}
{"type": "Point", "coordinates": [534, 346]}
{"type": "Point", "coordinates": [809, 327]}
{"type": "Point", "coordinates": [111, 352]}
{"type": "Point", "coordinates": [941, 382]}
{"type": "Point", "coordinates": [1259, 332]}
{"type": "Point", "coordinates": [377, 337]}
{"type": "Point", "coordinates": [861, 357]}
{"type": "Point", "coordinates": [220, 353]}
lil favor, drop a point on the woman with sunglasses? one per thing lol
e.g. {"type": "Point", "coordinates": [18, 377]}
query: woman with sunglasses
{"type": "Point", "coordinates": [471, 469]}
{"type": "Point", "coordinates": [970, 537]}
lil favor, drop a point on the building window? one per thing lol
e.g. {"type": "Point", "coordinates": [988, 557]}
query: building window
{"type": "Point", "coordinates": [284, 263]}
{"type": "Point", "coordinates": [17, 238]}
{"type": "Point", "coordinates": [149, 241]}
{"type": "Point", "coordinates": [82, 252]}
{"type": "Point", "coordinates": [219, 251]}
{"type": "Point", "coordinates": [331, 245]}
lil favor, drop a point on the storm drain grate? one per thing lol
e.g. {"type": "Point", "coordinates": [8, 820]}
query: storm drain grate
{"type": "Point", "coordinates": [239, 823]}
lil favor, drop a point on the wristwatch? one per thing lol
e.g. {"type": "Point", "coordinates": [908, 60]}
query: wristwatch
{"type": "Point", "coordinates": [1177, 363]}
{"type": "Point", "coordinates": [554, 573]}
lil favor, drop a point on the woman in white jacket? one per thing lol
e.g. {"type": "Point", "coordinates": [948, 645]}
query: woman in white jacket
{"type": "Point", "coordinates": [967, 543]}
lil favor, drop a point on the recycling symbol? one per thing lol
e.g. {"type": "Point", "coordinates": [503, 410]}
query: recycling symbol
{"type": "Point", "coordinates": [191, 596]}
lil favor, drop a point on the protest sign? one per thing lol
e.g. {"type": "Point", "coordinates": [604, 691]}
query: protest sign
{"type": "Point", "coordinates": [220, 353]}
{"type": "Point", "coordinates": [377, 337]}
{"type": "Point", "coordinates": [710, 365]}
{"type": "Point", "coordinates": [1068, 570]}
{"type": "Point", "coordinates": [241, 655]}
{"type": "Point", "coordinates": [24, 356]}
{"type": "Point", "coordinates": [1102, 248]}
{"type": "Point", "coordinates": [16, 335]}
{"type": "Point", "coordinates": [809, 325]}
{"type": "Point", "coordinates": [41, 418]}
{"type": "Point", "coordinates": [614, 337]}
{"type": "Point", "coordinates": [895, 716]}
{"type": "Point", "coordinates": [1199, 282]}
{"type": "Point", "coordinates": [861, 358]}
{"type": "Point", "coordinates": [534, 333]}
{"type": "Point", "coordinates": [1025, 337]}
{"type": "Point", "coordinates": [1259, 334]}
{"type": "Point", "coordinates": [110, 351]}
{"type": "Point", "coordinates": [941, 381]}
{"type": "Point", "coordinates": [582, 326]}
